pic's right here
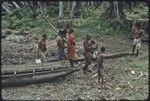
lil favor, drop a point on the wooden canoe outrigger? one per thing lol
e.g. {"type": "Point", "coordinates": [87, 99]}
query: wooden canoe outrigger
{"type": "Point", "coordinates": [27, 77]}
{"type": "Point", "coordinates": [24, 79]}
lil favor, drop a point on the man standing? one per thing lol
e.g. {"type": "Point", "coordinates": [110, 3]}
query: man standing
{"type": "Point", "coordinates": [61, 45]}
{"type": "Point", "coordinates": [71, 46]}
{"type": "Point", "coordinates": [137, 34]}
{"type": "Point", "coordinates": [42, 47]}
{"type": "Point", "coordinates": [88, 52]}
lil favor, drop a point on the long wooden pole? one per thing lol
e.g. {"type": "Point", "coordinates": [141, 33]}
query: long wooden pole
{"type": "Point", "coordinates": [49, 23]}
{"type": "Point", "coordinates": [54, 29]}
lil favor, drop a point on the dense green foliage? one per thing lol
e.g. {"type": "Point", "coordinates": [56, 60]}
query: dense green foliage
{"type": "Point", "coordinates": [92, 19]}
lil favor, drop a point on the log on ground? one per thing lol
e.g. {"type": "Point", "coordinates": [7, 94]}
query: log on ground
{"type": "Point", "coordinates": [110, 56]}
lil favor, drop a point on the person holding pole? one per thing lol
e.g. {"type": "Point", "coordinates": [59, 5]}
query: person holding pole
{"type": "Point", "coordinates": [61, 45]}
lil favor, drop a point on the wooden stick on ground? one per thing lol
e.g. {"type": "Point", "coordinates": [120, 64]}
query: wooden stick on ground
{"type": "Point", "coordinates": [141, 74]}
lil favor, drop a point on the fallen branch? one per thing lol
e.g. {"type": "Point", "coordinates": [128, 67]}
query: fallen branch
{"type": "Point", "coordinates": [110, 56]}
{"type": "Point", "coordinates": [141, 74]}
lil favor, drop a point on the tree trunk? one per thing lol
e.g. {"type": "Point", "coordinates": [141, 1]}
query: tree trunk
{"type": "Point", "coordinates": [129, 3]}
{"type": "Point", "coordinates": [121, 12]}
{"type": "Point", "coordinates": [6, 7]}
{"type": "Point", "coordinates": [72, 9]}
{"type": "Point", "coordinates": [109, 12]}
{"type": "Point", "coordinates": [61, 9]}
{"type": "Point", "coordinates": [83, 3]}
{"type": "Point", "coordinates": [77, 9]}
{"type": "Point", "coordinates": [16, 5]}
{"type": "Point", "coordinates": [45, 7]}
{"type": "Point", "coordinates": [23, 3]}
{"type": "Point", "coordinates": [20, 4]}
{"type": "Point", "coordinates": [110, 56]}
{"type": "Point", "coordinates": [68, 6]}
{"type": "Point", "coordinates": [116, 11]}
{"type": "Point", "coordinates": [92, 3]}
{"type": "Point", "coordinates": [33, 6]}
{"type": "Point", "coordinates": [30, 7]}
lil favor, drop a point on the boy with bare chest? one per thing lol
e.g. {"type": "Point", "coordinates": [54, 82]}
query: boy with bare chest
{"type": "Point", "coordinates": [137, 34]}
{"type": "Point", "coordinates": [100, 68]}
{"type": "Point", "coordinates": [42, 47]}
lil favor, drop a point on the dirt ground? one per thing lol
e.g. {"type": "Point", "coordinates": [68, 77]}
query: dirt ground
{"type": "Point", "coordinates": [120, 82]}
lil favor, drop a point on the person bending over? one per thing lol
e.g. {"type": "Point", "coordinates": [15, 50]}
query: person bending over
{"type": "Point", "coordinates": [88, 52]}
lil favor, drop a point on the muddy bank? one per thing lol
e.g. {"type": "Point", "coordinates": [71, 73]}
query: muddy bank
{"type": "Point", "coordinates": [22, 49]}
{"type": "Point", "coordinates": [120, 82]}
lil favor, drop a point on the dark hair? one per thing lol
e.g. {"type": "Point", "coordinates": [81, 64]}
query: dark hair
{"type": "Point", "coordinates": [138, 24]}
{"type": "Point", "coordinates": [92, 41]}
{"type": "Point", "coordinates": [71, 31]}
{"type": "Point", "coordinates": [103, 49]}
{"type": "Point", "coordinates": [68, 26]}
{"type": "Point", "coordinates": [88, 36]}
{"type": "Point", "coordinates": [62, 32]}
{"type": "Point", "coordinates": [44, 36]}
{"type": "Point", "coordinates": [59, 31]}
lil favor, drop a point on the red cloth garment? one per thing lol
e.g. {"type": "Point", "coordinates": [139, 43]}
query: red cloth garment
{"type": "Point", "coordinates": [70, 38]}
{"type": "Point", "coordinates": [71, 48]}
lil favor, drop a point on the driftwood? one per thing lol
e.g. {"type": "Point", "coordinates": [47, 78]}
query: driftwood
{"type": "Point", "coordinates": [16, 5]}
{"type": "Point", "coordinates": [6, 7]}
{"type": "Point", "coordinates": [17, 81]}
{"type": "Point", "coordinates": [141, 74]}
{"type": "Point", "coordinates": [110, 56]}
